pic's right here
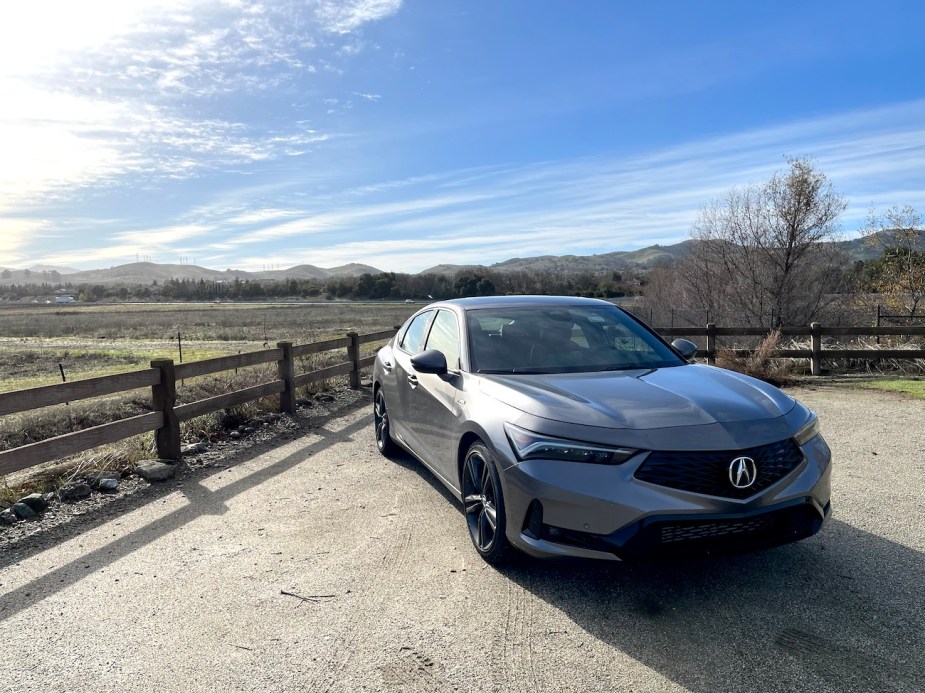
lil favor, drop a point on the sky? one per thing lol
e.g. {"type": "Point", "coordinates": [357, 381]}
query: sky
{"type": "Point", "coordinates": [403, 134]}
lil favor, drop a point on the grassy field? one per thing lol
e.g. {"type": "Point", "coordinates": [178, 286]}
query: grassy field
{"type": "Point", "coordinates": [95, 340]}
{"type": "Point", "coordinates": [914, 387]}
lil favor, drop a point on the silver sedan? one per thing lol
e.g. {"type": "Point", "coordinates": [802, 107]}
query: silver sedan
{"type": "Point", "coordinates": [567, 427]}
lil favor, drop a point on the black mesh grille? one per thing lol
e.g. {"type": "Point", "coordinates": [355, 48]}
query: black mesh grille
{"type": "Point", "coordinates": [708, 472]}
{"type": "Point", "coordinates": [713, 530]}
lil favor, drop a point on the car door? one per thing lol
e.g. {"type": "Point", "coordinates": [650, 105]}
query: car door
{"type": "Point", "coordinates": [410, 343]}
{"type": "Point", "coordinates": [432, 403]}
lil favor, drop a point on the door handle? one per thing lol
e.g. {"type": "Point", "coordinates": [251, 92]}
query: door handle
{"type": "Point", "coordinates": [413, 381]}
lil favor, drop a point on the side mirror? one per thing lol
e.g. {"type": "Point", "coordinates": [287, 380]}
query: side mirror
{"type": "Point", "coordinates": [686, 348]}
{"type": "Point", "coordinates": [429, 361]}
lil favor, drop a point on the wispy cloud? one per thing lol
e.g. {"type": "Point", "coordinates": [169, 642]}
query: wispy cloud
{"type": "Point", "coordinates": [344, 16]}
{"type": "Point", "coordinates": [102, 93]}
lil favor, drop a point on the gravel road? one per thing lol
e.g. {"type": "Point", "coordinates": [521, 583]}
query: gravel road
{"type": "Point", "coordinates": [317, 565]}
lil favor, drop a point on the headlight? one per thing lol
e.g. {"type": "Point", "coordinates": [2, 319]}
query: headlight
{"type": "Point", "coordinates": [809, 431]}
{"type": "Point", "coordinates": [528, 445]}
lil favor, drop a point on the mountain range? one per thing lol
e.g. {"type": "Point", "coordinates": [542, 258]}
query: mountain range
{"type": "Point", "coordinates": [148, 272]}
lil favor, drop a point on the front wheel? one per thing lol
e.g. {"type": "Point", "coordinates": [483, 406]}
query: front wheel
{"type": "Point", "coordinates": [384, 441]}
{"type": "Point", "coordinates": [484, 505]}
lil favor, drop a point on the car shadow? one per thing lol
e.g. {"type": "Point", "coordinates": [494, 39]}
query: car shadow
{"type": "Point", "coordinates": [841, 611]}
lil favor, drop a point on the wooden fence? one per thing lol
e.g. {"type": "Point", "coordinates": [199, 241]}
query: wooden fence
{"type": "Point", "coordinates": [166, 417]}
{"type": "Point", "coordinates": [816, 353]}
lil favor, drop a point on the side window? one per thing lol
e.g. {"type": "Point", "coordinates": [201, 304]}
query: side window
{"type": "Point", "coordinates": [413, 339]}
{"type": "Point", "coordinates": [444, 335]}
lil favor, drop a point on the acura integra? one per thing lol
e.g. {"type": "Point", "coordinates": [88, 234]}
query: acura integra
{"type": "Point", "coordinates": [567, 427]}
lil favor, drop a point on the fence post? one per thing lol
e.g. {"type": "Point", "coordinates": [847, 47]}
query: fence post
{"type": "Point", "coordinates": [285, 369]}
{"type": "Point", "coordinates": [816, 362]}
{"type": "Point", "coordinates": [878, 323]}
{"type": "Point", "coordinates": [711, 343]}
{"type": "Point", "coordinates": [164, 396]}
{"type": "Point", "coordinates": [353, 355]}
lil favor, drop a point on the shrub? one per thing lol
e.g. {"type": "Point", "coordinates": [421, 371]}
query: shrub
{"type": "Point", "coordinates": [760, 362]}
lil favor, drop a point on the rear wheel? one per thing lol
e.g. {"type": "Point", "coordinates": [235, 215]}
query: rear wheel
{"type": "Point", "coordinates": [381, 421]}
{"type": "Point", "coordinates": [484, 504]}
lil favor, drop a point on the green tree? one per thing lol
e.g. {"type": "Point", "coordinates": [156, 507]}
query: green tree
{"type": "Point", "coordinates": [900, 272]}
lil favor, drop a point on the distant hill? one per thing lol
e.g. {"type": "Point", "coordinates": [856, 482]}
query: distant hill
{"type": "Point", "coordinates": [53, 268]}
{"type": "Point", "coordinates": [644, 258]}
{"type": "Point", "coordinates": [148, 272]}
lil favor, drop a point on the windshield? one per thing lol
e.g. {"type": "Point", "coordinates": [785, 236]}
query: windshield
{"type": "Point", "coordinates": [570, 339]}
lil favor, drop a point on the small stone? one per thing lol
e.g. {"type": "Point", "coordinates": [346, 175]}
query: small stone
{"type": "Point", "coordinates": [35, 502]}
{"type": "Point", "coordinates": [96, 478]}
{"type": "Point", "coordinates": [194, 448]}
{"type": "Point", "coordinates": [49, 496]}
{"type": "Point", "coordinates": [366, 382]}
{"type": "Point", "coordinates": [304, 402]}
{"type": "Point", "coordinates": [7, 517]}
{"type": "Point", "coordinates": [248, 430]}
{"type": "Point", "coordinates": [155, 470]}
{"type": "Point", "coordinates": [324, 398]}
{"type": "Point", "coordinates": [235, 435]}
{"type": "Point", "coordinates": [74, 492]}
{"type": "Point", "coordinates": [109, 485]}
{"type": "Point", "coordinates": [22, 511]}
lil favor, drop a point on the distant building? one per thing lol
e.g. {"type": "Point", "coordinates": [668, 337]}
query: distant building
{"type": "Point", "coordinates": [64, 299]}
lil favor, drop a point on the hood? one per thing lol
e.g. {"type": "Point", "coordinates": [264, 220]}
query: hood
{"type": "Point", "coordinates": [689, 395]}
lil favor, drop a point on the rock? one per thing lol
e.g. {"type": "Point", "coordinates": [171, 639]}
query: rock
{"type": "Point", "coordinates": [248, 430]}
{"type": "Point", "coordinates": [235, 435]}
{"type": "Point", "coordinates": [366, 382]}
{"type": "Point", "coordinates": [35, 501]}
{"type": "Point", "coordinates": [109, 485]}
{"type": "Point", "coordinates": [74, 491]}
{"type": "Point", "coordinates": [304, 402]}
{"type": "Point", "coordinates": [324, 397]}
{"type": "Point", "coordinates": [7, 517]}
{"type": "Point", "coordinates": [155, 470]}
{"type": "Point", "coordinates": [195, 448]}
{"type": "Point", "coordinates": [94, 479]}
{"type": "Point", "coordinates": [48, 496]}
{"type": "Point", "coordinates": [22, 511]}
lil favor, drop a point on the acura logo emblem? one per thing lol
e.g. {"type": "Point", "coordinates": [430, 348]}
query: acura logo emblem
{"type": "Point", "coordinates": [742, 472]}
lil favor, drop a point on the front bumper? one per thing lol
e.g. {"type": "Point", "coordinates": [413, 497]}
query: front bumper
{"type": "Point", "coordinates": [598, 511]}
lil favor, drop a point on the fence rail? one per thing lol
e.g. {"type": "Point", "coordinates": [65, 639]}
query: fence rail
{"type": "Point", "coordinates": [816, 353]}
{"type": "Point", "coordinates": [166, 417]}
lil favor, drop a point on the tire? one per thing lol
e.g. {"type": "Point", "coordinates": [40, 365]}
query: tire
{"type": "Point", "coordinates": [384, 441]}
{"type": "Point", "coordinates": [484, 505]}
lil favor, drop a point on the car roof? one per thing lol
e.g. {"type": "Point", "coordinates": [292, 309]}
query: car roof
{"type": "Point", "coordinates": [520, 301]}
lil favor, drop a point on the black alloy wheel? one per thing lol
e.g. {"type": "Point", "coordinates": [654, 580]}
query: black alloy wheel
{"type": "Point", "coordinates": [484, 504]}
{"type": "Point", "coordinates": [381, 420]}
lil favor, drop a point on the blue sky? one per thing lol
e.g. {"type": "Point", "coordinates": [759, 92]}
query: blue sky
{"type": "Point", "coordinates": [407, 133]}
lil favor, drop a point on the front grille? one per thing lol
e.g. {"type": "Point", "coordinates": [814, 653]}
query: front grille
{"type": "Point", "coordinates": [708, 472]}
{"type": "Point", "coordinates": [697, 535]}
{"type": "Point", "coordinates": [713, 530]}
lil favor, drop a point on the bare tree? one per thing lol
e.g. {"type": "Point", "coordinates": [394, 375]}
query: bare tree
{"type": "Point", "coordinates": [900, 273]}
{"type": "Point", "coordinates": [763, 253]}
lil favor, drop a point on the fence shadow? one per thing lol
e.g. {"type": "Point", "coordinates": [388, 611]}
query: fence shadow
{"type": "Point", "coordinates": [202, 502]}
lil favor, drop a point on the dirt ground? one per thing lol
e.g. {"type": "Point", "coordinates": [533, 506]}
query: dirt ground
{"type": "Point", "coordinates": [312, 563]}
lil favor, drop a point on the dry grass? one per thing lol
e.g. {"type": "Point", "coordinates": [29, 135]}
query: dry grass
{"type": "Point", "coordinates": [760, 363]}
